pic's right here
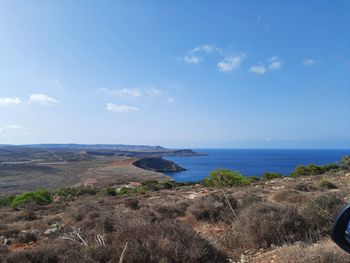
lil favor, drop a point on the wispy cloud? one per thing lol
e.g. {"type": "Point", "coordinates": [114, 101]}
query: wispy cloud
{"type": "Point", "coordinates": [274, 63]}
{"type": "Point", "coordinates": [191, 59]}
{"type": "Point", "coordinates": [120, 108]}
{"type": "Point", "coordinates": [231, 62]}
{"type": "Point", "coordinates": [6, 101]}
{"type": "Point", "coordinates": [42, 99]}
{"type": "Point", "coordinates": [169, 100]}
{"type": "Point", "coordinates": [204, 48]}
{"type": "Point", "coordinates": [258, 70]}
{"type": "Point", "coordinates": [120, 92]}
{"type": "Point", "coordinates": [197, 54]}
{"type": "Point", "coordinates": [309, 62]}
{"type": "Point", "coordinates": [271, 64]}
{"type": "Point", "coordinates": [57, 83]}
{"type": "Point", "coordinates": [153, 92]}
{"type": "Point", "coordinates": [12, 128]}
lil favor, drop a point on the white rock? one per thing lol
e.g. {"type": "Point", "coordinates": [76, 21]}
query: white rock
{"type": "Point", "coordinates": [50, 231]}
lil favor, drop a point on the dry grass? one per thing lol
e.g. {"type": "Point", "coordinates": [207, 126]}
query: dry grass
{"type": "Point", "coordinates": [264, 224]}
{"type": "Point", "coordinates": [192, 224]}
{"type": "Point", "coordinates": [215, 207]}
{"type": "Point", "coordinates": [323, 252]}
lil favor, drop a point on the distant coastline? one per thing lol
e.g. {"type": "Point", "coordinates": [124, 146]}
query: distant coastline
{"type": "Point", "coordinates": [251, 162]}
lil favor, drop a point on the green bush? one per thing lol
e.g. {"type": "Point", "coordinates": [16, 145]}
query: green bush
{"type": "Point", "coordinates": [225, 177]}
{"type": "Point", "coordinates": [331, 166]}
{"type": "Point", "coordinates": [112, 191]}
{"type": "Point", "coordinates": [327, 184]}
{"type": "Point", "coordinates": [5, 200]}
{"type": "Point", "coordinates": [65, 192]}
{"type": "Point", "coordinates": [41, 197]}
{"type": "Point", "coordinates": [312, 169]}
{"type": "Point", "coordinates": [254, 178]}
{"type": "Point", "coordinates": [271, 176]}
{"type": "Point", "coordinates": [126, 190]}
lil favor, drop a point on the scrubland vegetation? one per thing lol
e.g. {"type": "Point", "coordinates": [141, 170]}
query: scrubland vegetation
{"type": "Point", "coordinates": [227, 218]}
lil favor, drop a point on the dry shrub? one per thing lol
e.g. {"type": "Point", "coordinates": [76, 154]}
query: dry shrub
{"type": "Point", "coordinates": [290, 196]}
{"type": "Point", "coordinates": [86, 209]}
{"type": "Point", "coordinates": [249, 199]}
{"type": "Point", "coordinates": [214, 208]}
{"type": "Point", "coordinates": [108, 224]}
{"type": "Point", "coordinates": [167, 241]}
{"type": "Point", "coordinates": [323, 252]}
{"type": "Point", "coordinates": [26, 237]}
{"type": "Point", "coordinates": [4, 251]}
{"type": "Point", "coordinates": [27, 215]}
{"type": "Point", "coordinates": [320, 212]}
{"type": "Point", "coordinates": [53, 251]}
{"type": "Point", "coordinates": [172, 210]}
{"type": "Point", "coordinates": [148, 241]}
{"type": "Point", "coordinates": [263, 224]}
{"type": "Point", "coordinates": [305, 187]}
{"type": "Point", "coordinates": [10, 232]}
{"type": "Point", "coordinates": [132, 203]}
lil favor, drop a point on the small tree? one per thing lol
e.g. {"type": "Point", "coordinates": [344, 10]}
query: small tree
{"type": "Point", "coordinates": [345, 162]}
{"type": "Point", "coordinates": [225, 177]}
{"type": "Point", "coordinates": [271, 176]}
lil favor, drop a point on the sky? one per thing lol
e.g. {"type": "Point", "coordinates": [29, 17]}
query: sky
{"type": "Point", "coordinates": [181, 74]}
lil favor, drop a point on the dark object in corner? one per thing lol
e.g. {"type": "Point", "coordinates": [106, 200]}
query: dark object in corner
{"type": "Point", "coordinates": [158, 164]}
{"type": "Point", "coordinates": [341, 229]}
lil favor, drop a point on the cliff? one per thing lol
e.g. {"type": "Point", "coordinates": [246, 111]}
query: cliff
{"type": "Point", "coordinates": [158, 164]}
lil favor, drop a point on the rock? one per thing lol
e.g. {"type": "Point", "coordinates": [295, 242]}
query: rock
{"type": "Point", "coordinates": [35, 232]}
{"type": "Point", "coordinates": [157, 164]}
{"type": "Point", "coordinates": [50, 231]}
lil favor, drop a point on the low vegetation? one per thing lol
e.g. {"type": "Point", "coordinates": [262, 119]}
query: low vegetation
{"type": "Point", "coordinates": [236, 219]}
{"type": "Point", "coordinates": [312, 169]}
{"type": "Point", "coordinates": [226, 178]}
{"type": "Point", "coordinates": [40, 197]}
{"type": "Point", "coordinates": [271, 176]}
{"type": "Point", "coordinates": [327, 184]}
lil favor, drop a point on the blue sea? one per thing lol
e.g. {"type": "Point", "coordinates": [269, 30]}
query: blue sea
{"type": "Point", "coordinates": [251, 161]}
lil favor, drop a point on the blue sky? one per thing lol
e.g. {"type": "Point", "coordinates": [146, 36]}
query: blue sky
{"type": "Point", "coordinates": [270, 74]}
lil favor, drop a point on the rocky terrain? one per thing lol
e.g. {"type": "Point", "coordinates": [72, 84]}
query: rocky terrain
{"type": "Point", "coordinates": [26, 168]}
{"type": "Point", "coordinates": [278, 220]}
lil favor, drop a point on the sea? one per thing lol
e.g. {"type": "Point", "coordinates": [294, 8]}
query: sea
{"type": "Point", "coordinates": [251, 161]}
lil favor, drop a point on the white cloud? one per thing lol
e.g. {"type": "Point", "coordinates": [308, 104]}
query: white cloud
{"type": "Point", "coordinates": [275, 63]}
{"type": "Point", "coordinates": [153, 92]}
{"type": "Point", "coordinates": [231, 62]}
{"type": "Point", "coordinates": [12, 128]}
{"type": "Point", "coordinates": [169, 100]}
{"type": "Point", "coordinates": [192, 59]}
{"type": "Point", "coordinates": [42, 99]}
{"type": "Point", "coordinates": [121, 92]}
{"type": "Point", "coordinates": [204, 48]}
{"type": "Point", "coordinates": [120, 108]}
{"type": "Point", "coordinates": [195, 55]}
{"type": "Point", "coordinates": [308, 62]}
{"type": "Point", "coordinates": [5, 101]}
{"type": "Point", "coordinates": [258, 70]}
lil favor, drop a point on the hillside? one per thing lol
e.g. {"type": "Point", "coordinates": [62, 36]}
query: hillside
{"type": "Point", "coordinates": [280, 220]}
{"type": "Point", "coordinates": [26, 168]}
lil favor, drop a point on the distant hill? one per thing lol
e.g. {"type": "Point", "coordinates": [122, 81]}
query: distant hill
{"type": "Point", "coordinates": [72, 146]}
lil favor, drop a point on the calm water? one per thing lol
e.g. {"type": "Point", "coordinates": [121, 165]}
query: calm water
{"type": "Point", "coordinates": [250, 162]}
